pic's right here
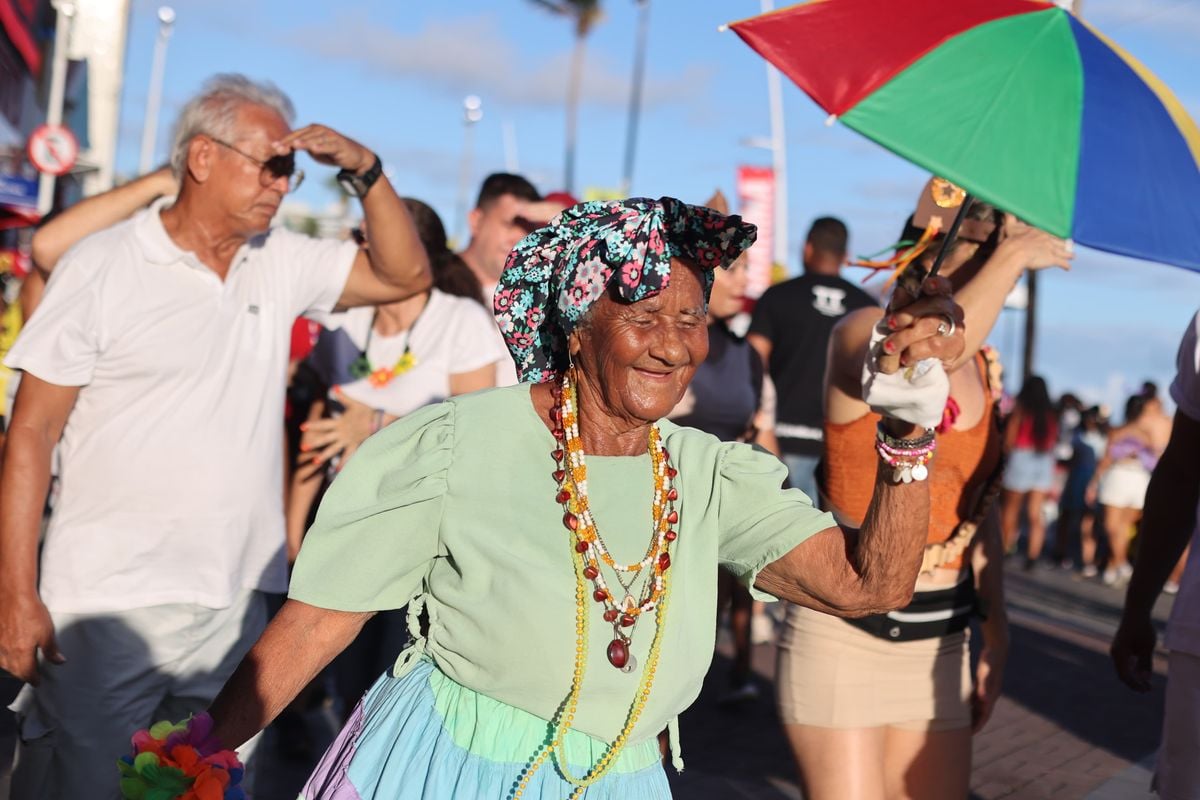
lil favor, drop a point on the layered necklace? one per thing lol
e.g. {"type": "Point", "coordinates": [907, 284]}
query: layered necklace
{"type": "Point", "coordinates": [590, 557]}
{"type": "Point", "coordinates": [379, 377]}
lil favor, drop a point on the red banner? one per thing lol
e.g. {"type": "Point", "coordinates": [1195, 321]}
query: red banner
{"type": "Point", "coordinates": [756, 199]}
{"type": "Point", "coordinates": [16, 17]}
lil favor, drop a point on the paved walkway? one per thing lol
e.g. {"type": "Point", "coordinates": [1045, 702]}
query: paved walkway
{"type": "Point", "coordinates": [1064, 729]}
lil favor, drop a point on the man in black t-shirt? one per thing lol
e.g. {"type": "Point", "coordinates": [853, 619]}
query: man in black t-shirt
{"type": "Point", "coordinates": [791, 328]}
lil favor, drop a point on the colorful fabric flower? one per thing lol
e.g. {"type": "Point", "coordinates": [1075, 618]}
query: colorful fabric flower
{"type": "Point", "coordinates": [562, 269]}
{"type": "Point", "coordinates": [180, 761]}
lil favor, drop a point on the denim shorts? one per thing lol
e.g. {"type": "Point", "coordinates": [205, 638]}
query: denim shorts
{"type": "Point", "coordinates": [1029, 471]}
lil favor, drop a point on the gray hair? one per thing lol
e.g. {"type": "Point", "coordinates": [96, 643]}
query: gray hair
{"type": "Point", "coordinates": [213, 112]}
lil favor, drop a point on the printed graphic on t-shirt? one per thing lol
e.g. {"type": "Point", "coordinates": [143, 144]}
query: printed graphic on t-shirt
{"type": "Point", "coordinates": [829, 300]}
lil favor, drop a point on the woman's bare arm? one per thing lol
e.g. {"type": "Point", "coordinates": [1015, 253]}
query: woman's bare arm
{"type": "Point", "coordinates": [854, 573]}
{"type": "Point", "coordinates": [300, 641]}
{"type": "Point", "coordinates": [843, 370]}
{"type": "Point", "coordinates": [96, 213]}
{"type": "Point", "coordinates": [1011, 428]}
{"type": "Point", "coordinates": [303, 488]}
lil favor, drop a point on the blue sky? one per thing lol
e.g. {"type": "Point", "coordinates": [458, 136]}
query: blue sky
{"type": "Point", "coordinates": [394, 75]}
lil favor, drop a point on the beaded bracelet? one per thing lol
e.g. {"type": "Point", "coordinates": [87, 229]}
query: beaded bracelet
{"type": "Point", "coordinates": [920, 441]}
{"type": "Point", "coordinates": [908, 458]}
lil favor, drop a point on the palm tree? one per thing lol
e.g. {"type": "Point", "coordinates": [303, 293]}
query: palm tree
{"type": "Point", "coordinates": [583, 14]}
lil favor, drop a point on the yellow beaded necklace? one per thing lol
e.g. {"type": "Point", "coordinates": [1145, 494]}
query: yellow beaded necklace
{"type": "Point", "coordinates": [588, 549]}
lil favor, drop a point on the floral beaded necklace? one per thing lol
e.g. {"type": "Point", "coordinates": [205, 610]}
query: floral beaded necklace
{"type": "Point", "coordinates": [588, 554]}
{"type": "Point", "coordinates": [379, 377]}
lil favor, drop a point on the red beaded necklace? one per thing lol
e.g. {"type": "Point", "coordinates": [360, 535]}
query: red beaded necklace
{"type": "Point", "coordinates": [571, 477]}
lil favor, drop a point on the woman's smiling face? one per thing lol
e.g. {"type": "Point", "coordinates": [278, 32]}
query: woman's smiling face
{"type": "Point", "coordinates": [641, 356]}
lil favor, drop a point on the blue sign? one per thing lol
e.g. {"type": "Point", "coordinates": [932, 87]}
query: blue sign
{"type": "Point", "coordinates": [18, 191]}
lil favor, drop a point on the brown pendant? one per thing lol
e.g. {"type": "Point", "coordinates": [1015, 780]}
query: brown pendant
{"type": "Point", "coordinates": [618, 653]}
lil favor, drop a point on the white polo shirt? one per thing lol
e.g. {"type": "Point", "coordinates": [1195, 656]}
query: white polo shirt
{"type": "Point", "coordinates": [172, 458]}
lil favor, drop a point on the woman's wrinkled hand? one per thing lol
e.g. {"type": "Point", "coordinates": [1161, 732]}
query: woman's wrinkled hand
{"type": "Point", "coordinates": [323, 439]}
{"type": "Point", "coordinates": [928, 326]}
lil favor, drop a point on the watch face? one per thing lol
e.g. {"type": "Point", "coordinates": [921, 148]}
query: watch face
{"type": "Point", "coordinates": [349, 185]}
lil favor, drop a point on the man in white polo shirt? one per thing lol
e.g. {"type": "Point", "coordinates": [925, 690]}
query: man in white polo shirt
{"type": "Point", "coordinates": [1168, 525]}
{"type": "Point", "coordinates": [158, 358]}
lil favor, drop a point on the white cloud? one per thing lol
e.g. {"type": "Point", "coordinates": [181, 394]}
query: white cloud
{"type": "Point", "coordinates": [470, 55]}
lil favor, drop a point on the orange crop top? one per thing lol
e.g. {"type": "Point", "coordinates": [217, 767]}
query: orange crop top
{"type": "Point", "coordinates": [961, 467]}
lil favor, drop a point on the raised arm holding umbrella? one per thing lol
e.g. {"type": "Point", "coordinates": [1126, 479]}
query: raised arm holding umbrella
{"type": "Point", "coordinates": [1030, 109]}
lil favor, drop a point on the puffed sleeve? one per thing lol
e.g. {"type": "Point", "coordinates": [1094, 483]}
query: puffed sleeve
{"type": "Point", "coordinates": [759, 520]}
{"type": "Point", "coordinates": [377, 529]}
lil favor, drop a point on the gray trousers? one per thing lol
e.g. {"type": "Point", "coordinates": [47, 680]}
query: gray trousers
{"type": "Point", "coordinates": [125, 670]}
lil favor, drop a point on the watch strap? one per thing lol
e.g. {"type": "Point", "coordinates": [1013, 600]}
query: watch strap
{"type": "Point", "coordinates": [361, 184]}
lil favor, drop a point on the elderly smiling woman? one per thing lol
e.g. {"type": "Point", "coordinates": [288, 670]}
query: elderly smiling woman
{"type": "Point", "coordinates": [561, 537]}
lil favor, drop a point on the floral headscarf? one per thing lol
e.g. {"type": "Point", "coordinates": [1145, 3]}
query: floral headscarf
{"type": "Point", "coordinates": [554, 274]}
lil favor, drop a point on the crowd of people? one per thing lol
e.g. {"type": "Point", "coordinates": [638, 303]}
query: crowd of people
{"type": "Point", "coordinates": [1076, 468]}
{"type": "Point", "coordinates": [248, 468]}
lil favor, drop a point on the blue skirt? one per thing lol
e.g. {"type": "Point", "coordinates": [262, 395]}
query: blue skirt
{"type": "Point", "coordinates": [421, 736]}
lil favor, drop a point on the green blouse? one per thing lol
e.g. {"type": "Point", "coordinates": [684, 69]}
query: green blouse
{"type": "Point", "coordinates": [454, 505]}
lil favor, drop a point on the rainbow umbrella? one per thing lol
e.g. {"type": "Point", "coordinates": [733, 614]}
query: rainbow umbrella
{"type": "Point", "coordinates": [1019, 102]}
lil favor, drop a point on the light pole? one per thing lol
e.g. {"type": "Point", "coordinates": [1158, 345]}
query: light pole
{"type": "Point", "coordinates": [166, 19]}
{"type": "Point", "coordinates": [472, 113]}
{"type": "Point", "coordinates": [778, 156]}
{"type": "Point", "coordinates": [635, 94]}
{"type": "Point", "coordinates": [64, 23]}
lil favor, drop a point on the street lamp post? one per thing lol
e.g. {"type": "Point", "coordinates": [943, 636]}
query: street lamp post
{"type": "Point", "coordinates": [472, 114]}
{"type": "Point", "coordinates": [64, 23]}
{"type": "Point", "coordinates": [635, 95]}
{"type": "Point", "coordinates": [778, 156]}
{"type": "Point", "coordinates": [166, 19]}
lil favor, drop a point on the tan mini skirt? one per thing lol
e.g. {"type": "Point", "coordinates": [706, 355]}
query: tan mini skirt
{"type": "Point", "coordinates": [833, 675]}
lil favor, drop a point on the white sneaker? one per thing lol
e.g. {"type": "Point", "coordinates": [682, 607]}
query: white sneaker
{"type": "Point", "coordinates": [1125, 571]}
{"type": "Point", "coordinates": [1110, 577]}
{"type": "Point", "coordinates": [1089, 571]}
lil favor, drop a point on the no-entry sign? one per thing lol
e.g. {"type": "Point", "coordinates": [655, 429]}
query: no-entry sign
{"type": "Point", "coordinates": [53, 149]}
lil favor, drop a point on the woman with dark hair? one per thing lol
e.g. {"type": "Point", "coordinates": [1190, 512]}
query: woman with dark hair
{"type": "Point", "coordinates": [372, 366]}
{"type": "Point", "coordinates": [884, 706]}
{"type": "Point", "coordinates": [1030, 435]}
{"type": "Point", "coordinates": [375, 365]}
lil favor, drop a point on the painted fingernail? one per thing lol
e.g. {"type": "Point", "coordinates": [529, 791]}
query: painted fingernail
{"type": "Point", "coordinates": [892, 323]}
{"type": "Point", "coordinates": [304, 448]}
{"type": "Point", "coordinates": [889, 346]}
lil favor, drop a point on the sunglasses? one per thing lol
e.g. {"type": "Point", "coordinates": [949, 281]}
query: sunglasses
{"type": "Point", "coordinates": [273, 169]}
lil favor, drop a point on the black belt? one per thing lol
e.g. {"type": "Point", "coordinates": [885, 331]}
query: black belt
{"type": "Point", "coordinates": [952, 608]}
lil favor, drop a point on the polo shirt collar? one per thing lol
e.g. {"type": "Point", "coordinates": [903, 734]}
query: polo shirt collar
{"type": "Point", "coordinates": [159, 248]}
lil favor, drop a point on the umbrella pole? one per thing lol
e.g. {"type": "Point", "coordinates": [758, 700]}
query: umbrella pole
{"type": "Point", "coordinates": [951, 235]}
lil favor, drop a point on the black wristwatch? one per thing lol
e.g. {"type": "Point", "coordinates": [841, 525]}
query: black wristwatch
{"type": "Point", "coordinates": [359, 185]}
